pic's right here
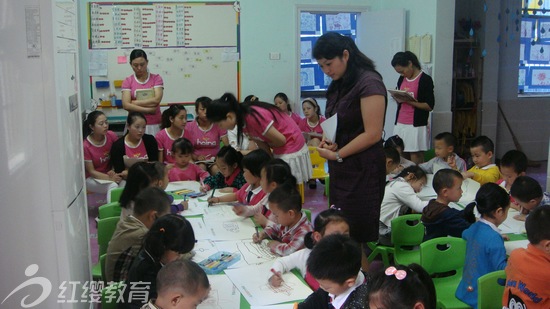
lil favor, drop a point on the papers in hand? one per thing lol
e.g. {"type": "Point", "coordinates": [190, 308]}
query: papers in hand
{"type": "Point", "coordinates": [207, 161]}
{"type": "Point", "coordinates": [402, 96]}
{"type": "Point", "coordinates": [103, 181]}
{"type": "Point", "coordinates": [329, 128]}
{"type": "Point", "coordinates": [144, 94]}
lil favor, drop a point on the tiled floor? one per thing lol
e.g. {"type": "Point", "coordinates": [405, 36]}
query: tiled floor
{"type": "Point", "coordinates": [315, 200]}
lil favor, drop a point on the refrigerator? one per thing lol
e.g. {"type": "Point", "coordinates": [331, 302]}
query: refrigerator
{"type": "Point", "coordinates": [44, 247]}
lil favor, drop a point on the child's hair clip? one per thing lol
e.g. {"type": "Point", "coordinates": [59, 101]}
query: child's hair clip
{"type": "Point", "coordinates": [399, 274]}
{"type": "Point", "coordinates": [334, 207]}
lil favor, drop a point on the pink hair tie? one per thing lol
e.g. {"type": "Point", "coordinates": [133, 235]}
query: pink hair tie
{"type": "Point", "coordinates": [399, 274]}
{"type": "Point", "coordinates": [334, 207]}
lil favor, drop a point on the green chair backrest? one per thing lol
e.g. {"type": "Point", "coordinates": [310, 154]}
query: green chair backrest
{"type": "Point", "coordinates": [112, 209]}
{"type": "Point", "coordinates": [407, 233]}
{"type": "Point", "coordinates": [115, 194]}
{"type": "Point", "coordinates": [429, 154]}
{"type": "Point", "coordinates": [490, 288]}
{"type": "Point", "coordinates": [105, 229]}
{"type": "Point", "coordinates": [110, 295]}
{"type": "Point", "coordinates": [308, 214]}
{"type": "Point", "coordinates": [102, 265]}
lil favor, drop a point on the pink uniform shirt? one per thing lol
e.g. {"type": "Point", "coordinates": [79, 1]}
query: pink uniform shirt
{"type": "Point", "coordinates": [205, 142]}
{"type": "Point", "coordinates": [256, 129]}
{"type": "Point", "coordinates": [99, 155]}
{"type": "Point", "coordinates": [191, 172]}
{"type": "Point", "coordinates": [138, 152]}
{"type": "Point", "coordinates": [305, 127]}
{"type": "Point", "coordinates": [406, 113]}
{"type": "Point", "coordinates": [165, 141]}
{"type": "Point", "coordinates": [295, 117]}
{"type": "Point", "coordinates": [254, 199]}
{"type": "Point", "coordinates": [154, 81]}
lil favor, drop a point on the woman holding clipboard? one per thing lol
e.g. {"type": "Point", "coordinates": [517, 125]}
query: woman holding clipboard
{"type": "Point", "coordinates": [411, 121]}
{"type": "Point", "coordinates": [142, 91]}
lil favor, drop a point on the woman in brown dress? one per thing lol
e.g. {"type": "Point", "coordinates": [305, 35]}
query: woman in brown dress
{"type": "Point", "coordinates": [355, 156]}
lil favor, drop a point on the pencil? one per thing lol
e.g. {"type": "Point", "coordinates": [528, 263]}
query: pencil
{"type": "Point", "coordinates": [257, 233]}
{"type": "Point", "coordinates": [212, 195]}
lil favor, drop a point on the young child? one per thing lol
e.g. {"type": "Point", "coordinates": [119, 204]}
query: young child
{"type": "Point", "coordinates": [484, 171]}
{"type": "Point", "coordinates": [440, 219]}
{"type": "Point", "coordinates": [98, 140]}
{"type": "Point", "coordinates": [282, 102]}
{"type": "Point", "coordinates": [275, 173]}
{"type": "Point", "coordinates": [172, 127]}
{"type": "Point", "coordinates": [335, 262]}
{"type": "Point", "coordinates": [400, 286]}
{"type": "Point", "coordinates": [169, 236]}
{"type": "Point", "coordinates": [268, 127]}
{"type": "Point", "coordinates": [399, 197]}
{"type": "Point", "coordinates": [512, 165]}
{"type": "Point", "coordinates": [311, 123]}
{"type": "Point", "coordinates": [397, 143]}
{"type": "Point", "coordinates": [140, 176]}
{"type": "Point", "coordinates": [528, 270]}
{"type": "Point", "coordinates": [150, 203]}
{"type": "Point", "coordinates": [485, 250]}
{"type": "Point", "coordinates": [230, 176]}
{"type": "Point", "coordinates": [392, 160]}
{"type": "Point", "coordinates": [528, 195]}
{"type": "Point", "coordinates": [180, 284]}
{"type": "Point", "coordinates": [445, 157]}
{"type": "Point", "coordinates": [183, 168]}
{"type": "Point", "coordinates": [205, 136]}
{"type": "Point", "coordinates": [328, 222]}
{"type": "Point", "coordinates": [288, 235]}
{"type": "Point", "coordinates": [251, 193]}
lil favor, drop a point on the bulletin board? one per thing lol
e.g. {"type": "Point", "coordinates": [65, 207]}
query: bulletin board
{"type": "Point", "coordinates": [193, 46]}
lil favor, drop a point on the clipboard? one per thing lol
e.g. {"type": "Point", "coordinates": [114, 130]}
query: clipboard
{"type": "Point", "coordinates": [401, 96]}
{"type": "Point", "coordinates": [144, 94]}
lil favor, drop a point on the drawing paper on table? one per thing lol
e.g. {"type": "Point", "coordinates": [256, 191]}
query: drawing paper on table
{"type": "Point", "coordinates": [218, 212]}
{"type": "Point", "coordinates": [223, 294]}
{"type": "Point", "coordinates": [512, 245]}
{"type": "Point", "coordinates": [281, 306]}
{"type": "Point", "coordinates": [252, 283]}
{"type": "Point", "coordinates": [469, 191]}
{"type": "Point", "coordinates": [511, 225]}
{"type": "Point", "coordinates": [144, 94]}
{"type": "Point", "coordinates": [251, 253]}
{"type": "Point", "coordinates": [194, 209]}
{"type": "Point", "coordinates": [200, 229]}
{"type": "Point", "coordinates": [231, 228]}
{"type": "Point", "coordinates": [203, 249]}
{"type": "Point", "coordinates": [401, 96]}
{"type": "Point", "coordinates": [329, 127]}
{"type": "Point", "coordinates": [180, 185]}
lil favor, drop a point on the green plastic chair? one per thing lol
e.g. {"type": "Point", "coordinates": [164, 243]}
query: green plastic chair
{"type": "Point", "coordinates": [429, 154]}
{"type": "Point", "coordinates": [443, 258]}
{"type": "Point", "coordinates": [490, 288]}
{"type": "Point", "coordinates": [102, 265]}
{"type": "Point", "coordinates": [110, 210]}
{"type": "Point", "coordinates": [105, 230]}
{"type": "Point", "coordinates": [407, 233]}
{"type": "Point", "coordinates": [308, 213]}
{"type": "Point", "coordinates": [115, 194]}
{"type": "Point", "coordinates": [110, 295]}
{"type": "Point", "coordinates": [380, 250]}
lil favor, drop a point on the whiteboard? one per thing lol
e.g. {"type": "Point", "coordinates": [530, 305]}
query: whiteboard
{"type": "Point", "coordinates": [193, 46]}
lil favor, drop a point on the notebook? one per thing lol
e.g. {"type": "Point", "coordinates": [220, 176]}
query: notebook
{"type": "Point", "coordinates": [402, 96]}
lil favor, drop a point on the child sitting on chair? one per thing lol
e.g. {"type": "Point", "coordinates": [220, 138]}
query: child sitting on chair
{"type": "Point", "coordinates": [528, 194]}
{"type": "Point", "coordinates": [484, 171]}
{"type": "Point", "coordinates": [440, 219]}
{"type": "Point", "coordinates": [445, 157]}
{"type": "Point", "coordinates": [180, 284]}
{"type": "Point", "coordinates": [288, 235]}
{"type": "Point", "coordinates": [528, 270]}
{"type": "Point", "coordinates": [335, 262]}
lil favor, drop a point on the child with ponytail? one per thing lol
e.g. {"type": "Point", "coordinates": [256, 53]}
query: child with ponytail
{"type": "Point", "coordinates": [169, 237]}
{"type": "Point", "coordinates": [402, 287]}
{"type": "Point", "coordinates": [485, 250]}
{"type": "Point", "coordinates": [328, 222]}
{"type": "Point", "coordinates": [172, 127]}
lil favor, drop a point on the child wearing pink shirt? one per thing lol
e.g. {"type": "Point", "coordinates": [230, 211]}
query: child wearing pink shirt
{"type": "Point", "coordinates": [282, 102]}
{"type": "Point", "coordinates": [183, 168]}
{"type": "Point", "coordinates": [173, 124]}
{"type": "Point", "coordinates": [205, 136]}
{"type": "Point", "coordinates": [268, 127]}
{"type": "Point", "coordinates": [311, 124]}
